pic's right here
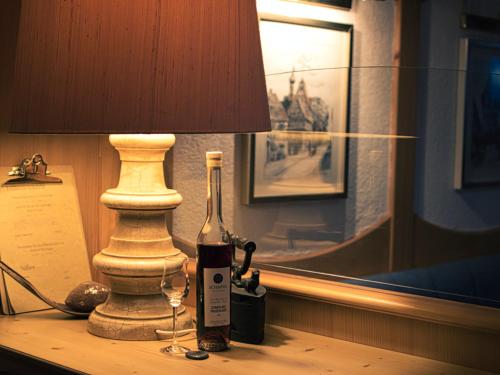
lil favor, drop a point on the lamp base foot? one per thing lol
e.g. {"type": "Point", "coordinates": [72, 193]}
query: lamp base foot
{"type": "Point", "coordinates": [116, 328]}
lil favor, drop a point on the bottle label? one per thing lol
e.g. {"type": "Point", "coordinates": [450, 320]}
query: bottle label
{"type": "Point", "coordinates": [216, 290]}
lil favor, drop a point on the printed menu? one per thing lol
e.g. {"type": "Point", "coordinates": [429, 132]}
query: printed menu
{"type": "Point", "coordinates": [42, 238]}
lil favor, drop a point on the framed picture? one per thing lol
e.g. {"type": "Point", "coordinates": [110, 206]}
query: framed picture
{"type": "Point", "coordinates": [477, 156]}
{"type": "Point", "coordinates": [307, 66]}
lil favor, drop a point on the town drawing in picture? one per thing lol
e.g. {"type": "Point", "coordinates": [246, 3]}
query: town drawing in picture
{"type": "Point", "coordinates": [307, 74]}
{"type": "Point", "coordinates": [293, 157]}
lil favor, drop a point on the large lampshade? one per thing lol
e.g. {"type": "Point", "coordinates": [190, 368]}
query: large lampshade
{"type": "Point", "coordinates": [139, 66]}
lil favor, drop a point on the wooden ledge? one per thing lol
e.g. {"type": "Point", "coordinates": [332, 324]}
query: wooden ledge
{"type": "Point", "coordinates": [51, 338]}
{"type": "Point", "coordinates": [447, 312]}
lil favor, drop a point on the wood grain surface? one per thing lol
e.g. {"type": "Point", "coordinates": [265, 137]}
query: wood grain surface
{"type": "Point", "coordinates": [151, 66]}
{"type": "Point", "coordinates": [463, 346]}
{"type": "Point", "coordinates": [403, 122]}
{"type": "Point", "coordinates": [450, 313]}
{"type": "Point", "coordinates": [53, 337]}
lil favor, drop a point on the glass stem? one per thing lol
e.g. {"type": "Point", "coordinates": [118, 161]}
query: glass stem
{"type": "Point", "coordinates": [174, 338]}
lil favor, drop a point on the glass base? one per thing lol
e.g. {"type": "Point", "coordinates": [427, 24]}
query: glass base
{"type": "Point", "coordinates": [174, 349]}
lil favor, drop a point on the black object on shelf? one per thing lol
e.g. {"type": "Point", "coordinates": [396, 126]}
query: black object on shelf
{"type": "Point", "coordinates": [248, 298]}
{"type": "Point", "coordinates": [197, 355]}
{"type": "Point", "coordinates": [248, 314]}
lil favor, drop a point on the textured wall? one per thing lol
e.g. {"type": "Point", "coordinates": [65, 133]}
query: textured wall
{"type": "Point", "coordinates": [436, 199]}
{"type": "Point", "coordinates": [190, 180]}
{"type": "Point", "coordinates": [368, 158]}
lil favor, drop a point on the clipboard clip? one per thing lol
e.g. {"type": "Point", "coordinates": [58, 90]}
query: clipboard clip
{"type": "Point", "coordinates": [32, 171]}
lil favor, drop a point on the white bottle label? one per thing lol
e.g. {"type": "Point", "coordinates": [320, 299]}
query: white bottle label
{"type": "Point", "coordinates": [216, 290]}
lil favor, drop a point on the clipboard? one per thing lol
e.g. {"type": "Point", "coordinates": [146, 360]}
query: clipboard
{"type": "Point", "coordinates": [41, 234]}
{"type": "Point", "coordinates": [31, 171]}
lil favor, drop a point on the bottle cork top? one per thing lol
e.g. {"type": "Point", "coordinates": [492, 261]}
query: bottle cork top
{"type": "Point", "coordinates": [214, 158]}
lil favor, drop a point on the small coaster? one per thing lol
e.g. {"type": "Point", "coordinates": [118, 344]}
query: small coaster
{"type": "Point", "coordinates": [197, 355]}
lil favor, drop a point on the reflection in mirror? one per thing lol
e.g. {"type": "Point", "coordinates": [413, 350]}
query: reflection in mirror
{"type": "Point", "coordinates": [374, 175]}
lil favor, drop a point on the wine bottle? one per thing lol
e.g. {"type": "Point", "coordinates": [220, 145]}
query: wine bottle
{"type": "Point", "coordinates": [213, 267]}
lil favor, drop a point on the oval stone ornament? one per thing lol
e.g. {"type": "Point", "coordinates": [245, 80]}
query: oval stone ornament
{"type": "Point", "coordinates": [86, 296]}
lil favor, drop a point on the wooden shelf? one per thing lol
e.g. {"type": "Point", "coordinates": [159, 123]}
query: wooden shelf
{"type": "Point", "coordinates": [52, 338]}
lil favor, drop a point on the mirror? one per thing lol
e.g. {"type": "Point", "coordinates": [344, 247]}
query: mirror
{"type": "Point", "coordinates": [362, 181]}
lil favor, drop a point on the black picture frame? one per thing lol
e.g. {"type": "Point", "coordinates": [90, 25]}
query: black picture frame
{"type": "Point", "coordinates": [250, 141]}
{"type": "Point", "coordinates": [477, 161]}
{"type": "Point", "coordinates": [347, 4]}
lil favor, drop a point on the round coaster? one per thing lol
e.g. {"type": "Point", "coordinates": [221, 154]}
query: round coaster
{"type": "Point", "coordinates": [197, 354]}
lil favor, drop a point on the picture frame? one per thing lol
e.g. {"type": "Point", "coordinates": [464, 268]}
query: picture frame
{"type": "Point", "coordinates": [347, 4]}
{"type": "Point", "coordinates": [477, 152]}
{"type": "Point", "coordinates": [308, 78]}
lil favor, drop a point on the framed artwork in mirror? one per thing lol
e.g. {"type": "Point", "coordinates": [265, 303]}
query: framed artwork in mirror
{"type": "Point", "coordinates": [308, 74]}
{"type": "Point", "coordinates": [477, 156]}
{"type": "Point", "coordinates": [336, 3]}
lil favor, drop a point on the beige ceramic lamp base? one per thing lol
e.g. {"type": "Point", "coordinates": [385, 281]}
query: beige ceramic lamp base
{"type": "Point", "coordinates": [134, 259]}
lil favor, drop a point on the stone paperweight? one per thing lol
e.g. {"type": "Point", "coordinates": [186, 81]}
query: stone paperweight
{"type": "Point", "coordinates": [86, 296]}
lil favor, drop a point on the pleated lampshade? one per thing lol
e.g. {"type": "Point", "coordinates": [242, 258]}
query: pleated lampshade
{"type": "Point", "coordinates": [139, 66]}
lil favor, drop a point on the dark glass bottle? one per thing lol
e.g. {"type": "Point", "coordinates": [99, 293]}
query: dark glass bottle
{"type": "Point", "coordinates": [213, 268]}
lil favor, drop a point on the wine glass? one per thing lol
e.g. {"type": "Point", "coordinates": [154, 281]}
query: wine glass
{"type": "Point", "coordinates": [175, 286]}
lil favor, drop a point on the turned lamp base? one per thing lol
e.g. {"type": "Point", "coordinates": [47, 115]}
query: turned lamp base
{"type": "Point", "coordinates": [134, 260]}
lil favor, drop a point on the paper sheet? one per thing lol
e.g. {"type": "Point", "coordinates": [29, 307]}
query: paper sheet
{"type": "Point", "coordinates": [42, 238]}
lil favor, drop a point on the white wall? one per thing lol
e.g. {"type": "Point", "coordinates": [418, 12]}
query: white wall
{"type": "Point", "coordinates": [368, 157]}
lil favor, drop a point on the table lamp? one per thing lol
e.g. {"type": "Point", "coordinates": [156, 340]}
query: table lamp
{"type": "Point", "coordinates": [138, 70]}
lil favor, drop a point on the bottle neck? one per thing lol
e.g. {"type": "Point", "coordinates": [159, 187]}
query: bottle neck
{"type": "Point", "coordinates": [214, 194]}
